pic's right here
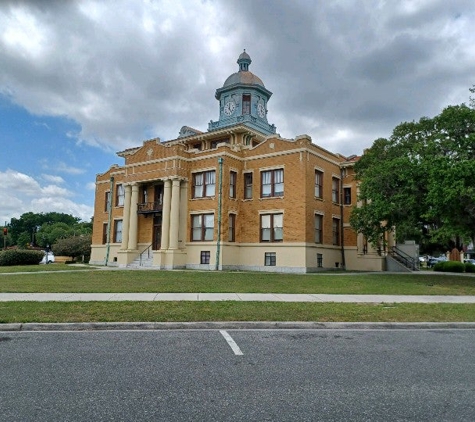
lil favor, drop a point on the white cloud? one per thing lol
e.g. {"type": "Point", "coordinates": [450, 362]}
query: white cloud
{"type": "Point", "coordinates": [22, 184]}
{"type": "Point", "coordinates": [343, 72]}
{"type": "Point", "coordinates": [22, 193]}
{"type": "Point", "coordinates": [23, 34]}
{"type": "Point", "coordinates": [52, 179]}
{"type": "Point", "coordinates": [61, 205]}
{"type": "Point", "coordinates": [61, 167]}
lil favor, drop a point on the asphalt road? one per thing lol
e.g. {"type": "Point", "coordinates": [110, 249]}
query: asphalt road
{"type": "Point", "coordinates": [238, 375]}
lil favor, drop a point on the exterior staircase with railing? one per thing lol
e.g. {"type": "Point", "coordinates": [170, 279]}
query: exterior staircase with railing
{"type": "Point", "coordinates": [143, 260]}
{"type": "Point", "coordinates": [405, 261]}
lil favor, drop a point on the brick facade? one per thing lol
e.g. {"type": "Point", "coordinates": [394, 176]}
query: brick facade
{"type": "Point", "coordinates": [283, 222]}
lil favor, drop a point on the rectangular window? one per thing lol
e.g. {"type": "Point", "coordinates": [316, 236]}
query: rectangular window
{"type": "Point", "coordinates": [269, 259]}
{"type": "Point", "coordinates": [318, 228]}
{"type": "Point", "coordinates": [117, 231]}
{"type": "Point", "coordinates": [107, 199]}
{"type": "Point", "coordinates": [246, 104]}
{"type": "Point", "coordinates": [272, 183]}
{"type": "Point", "coordinates": [335, 190]}
{"type": "Point", "coordinates": [232, 184]}
{"type": "Point", "coordinates": [247, 185]}
{"type": "Point", "coordinates": [120, 194]}
{"type": "Point", "coordinates": [318, 184]}
{"type": "Point", "coordinates": [347, 196]}
{"type": "Point", "coordinates": [232, 228]}
{"type": "Point", "coordinates": [336, 231]}
{"type": "Point", "coordinates": [202, 227]}
{"type": "Point", "coordinates": [205, 256]}
{"type": "Point", "coordinates": [272, 229]}
{"type": "Point", "coordinates": [319, 260]}
{"type": "Point", "coordinates": [105, 229]}
{"type": "Point", "coordinates": [204, 184]}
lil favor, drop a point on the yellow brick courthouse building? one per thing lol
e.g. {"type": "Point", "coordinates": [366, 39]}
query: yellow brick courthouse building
{"type": "Point", "coordinates": [236, 197]}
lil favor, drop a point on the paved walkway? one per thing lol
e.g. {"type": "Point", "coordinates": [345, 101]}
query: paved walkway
{"type": "Point", "coordinates": [241, 297]}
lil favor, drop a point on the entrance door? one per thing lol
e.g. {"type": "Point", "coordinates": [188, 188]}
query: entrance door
{"type": "Point", "coordinates": [157, 232]}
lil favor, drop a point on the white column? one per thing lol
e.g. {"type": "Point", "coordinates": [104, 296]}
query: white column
{"type": "Point", "coordinates": [182, 232]}
{"type": "Point", "coordinates": [174, 214]}
{"type": "Point", "coordinates": [167, 196]}
{"type": "Point", "coordinates": [126, 218]}
{"type": "Point", "coordinates": [133, 218]}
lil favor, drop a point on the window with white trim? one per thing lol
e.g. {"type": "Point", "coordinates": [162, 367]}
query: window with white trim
{"type": "Point", "coordinates": [105, 229]}
{"type": "Point", "coordinates": [272, 227]}
{"type": "Point", "coordinates": [272, 183]}
{"type": "Point", "coordinates": [232, 228]}
{"type": "Point", "coordinates": [347, 196]}
{"type": "Point", "coordinates": [336, 231]}
{"type": "Point", "coordinates": [232, 184]}
{"type": "Point", "coordinates": [202, 227]}
{"type": "Point", "coordinates": [318, 228]}
{"type": "Point", "coordinates": [247, 185]}
{"type": "Point", "coordinates": [204, 184]}
{"type": "Point", "coordinates": [120, 195]}
{"type": "Point", "coordinates": [108, 201]}
{"type": "Point", "coordinates": [117, 231]}
{"type": "Point", "coordinates": [335, 190]}
{"type": "Point", "coordinates": [318, 184]}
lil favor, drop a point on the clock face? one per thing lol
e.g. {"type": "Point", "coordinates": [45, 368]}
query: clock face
{"type": "Point", "coordinates": [229, 108]}
{"type": "Point", "coordinates": [261, 110]}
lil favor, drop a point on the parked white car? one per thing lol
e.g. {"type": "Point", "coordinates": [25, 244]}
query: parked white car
{"type": "Point", "coordinates": [48, 258]}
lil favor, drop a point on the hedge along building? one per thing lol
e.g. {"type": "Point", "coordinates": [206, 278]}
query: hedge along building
{"type": "Point", "coordinates": [235, 197]}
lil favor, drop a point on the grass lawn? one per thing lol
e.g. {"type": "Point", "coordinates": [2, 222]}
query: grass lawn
{"type": "Point", "coordinates": [50, 278]}
{"type": "Point", "coordinates": [84, 279]}
{"type": "Point", "coordinates": [11, 312]}
{"type": "Point", "coordinates": [40, 268]}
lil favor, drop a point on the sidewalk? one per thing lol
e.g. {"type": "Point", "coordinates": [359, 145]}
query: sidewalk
{"type": "Point", "coordinates": [240, 297]}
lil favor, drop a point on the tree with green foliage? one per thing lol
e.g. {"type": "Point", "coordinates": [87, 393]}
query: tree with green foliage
{"type": "Point", "coordinates": [75, 246]}
{"type": "Point", "coordinates": [44, 229]}
{"type": "Point", "coordinates": [421, 180]}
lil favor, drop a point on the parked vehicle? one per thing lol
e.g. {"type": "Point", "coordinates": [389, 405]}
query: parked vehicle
{"type": "Point", "coordinates": [469, 261]}
{"type": "Point", "coordinates": [432, 261]}
{"type": "Point", "coordinates": [48, 258]}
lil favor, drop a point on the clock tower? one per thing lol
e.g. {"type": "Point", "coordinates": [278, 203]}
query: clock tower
{"type": "Point", "coordinates": [243, 100]}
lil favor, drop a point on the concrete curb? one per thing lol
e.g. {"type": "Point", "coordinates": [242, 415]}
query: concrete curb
{"type": "Point", "coordinates": [233, 325]}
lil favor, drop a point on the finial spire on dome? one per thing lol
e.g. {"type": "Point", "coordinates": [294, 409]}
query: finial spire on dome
{"type": "Point", "coordinates": [244, 61]}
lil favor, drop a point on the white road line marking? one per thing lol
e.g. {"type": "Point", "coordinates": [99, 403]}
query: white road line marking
{"type": "Point", "coordinates": [231, 342]}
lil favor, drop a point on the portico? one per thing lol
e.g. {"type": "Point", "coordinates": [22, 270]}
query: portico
{"type": "Point", "coordinates": [169, 252]}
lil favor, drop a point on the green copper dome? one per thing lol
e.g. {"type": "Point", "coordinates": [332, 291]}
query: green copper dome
{"type": "Point", "coordinates": [243, 100]}
{"type": "Point", "coordinates": [243, 76]}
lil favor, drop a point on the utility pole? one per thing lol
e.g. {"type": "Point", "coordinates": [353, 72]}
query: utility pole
{"type": "Point", "coordinates": [220, 194]}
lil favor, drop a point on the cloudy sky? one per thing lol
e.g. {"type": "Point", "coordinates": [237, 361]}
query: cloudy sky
{"type": "Point", "coordinates": [81, 80]}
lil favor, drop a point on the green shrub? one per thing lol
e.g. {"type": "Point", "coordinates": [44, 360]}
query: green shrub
{"type": "Point", "coordinates": [75, 246]}
{"type": "Point", "coordinates": [450, 267]}
{"type": "Point", "coordinates": [469, 267]}
{"type": "Point", "coordinates": [20, 257]}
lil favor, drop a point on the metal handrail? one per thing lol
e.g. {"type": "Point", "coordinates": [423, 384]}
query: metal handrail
{"type": "Point", "coordinates": [405, 259]}
{"type": "Point", "coordinates": [149, 206]}
{"type": "Point", "coordinates": [147, 249]}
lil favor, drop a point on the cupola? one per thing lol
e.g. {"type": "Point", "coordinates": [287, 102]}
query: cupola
{"type": "Point", "coordinates": [243, 100]}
